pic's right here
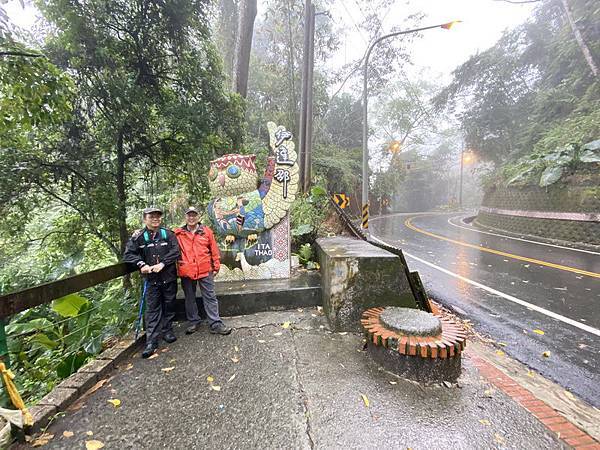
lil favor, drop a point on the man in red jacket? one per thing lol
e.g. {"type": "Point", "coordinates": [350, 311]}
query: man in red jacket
{"type": "Point", "coordinates": [198, 263]}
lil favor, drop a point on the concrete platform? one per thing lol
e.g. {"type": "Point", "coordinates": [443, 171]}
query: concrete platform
{"type": "Point", "coordinates": [252, 296]}
{"type": "Point", "coordinates": [300, 387]}
{"type": "Point", "coordinates": [356, 276]}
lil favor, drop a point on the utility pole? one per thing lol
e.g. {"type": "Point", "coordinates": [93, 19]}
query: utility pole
{"type": "Point", "coordinates": [306, 101]}
{"type": "Point", "coordinates": [309, 102]}
{"type": "Point", "coordinates": [302, 124]}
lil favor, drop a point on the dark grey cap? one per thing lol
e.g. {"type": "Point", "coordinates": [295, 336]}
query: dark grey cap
{"type": "Point", "coordinates": [152, 209]}
{"type": "Point", "coordinates": [192, 209]}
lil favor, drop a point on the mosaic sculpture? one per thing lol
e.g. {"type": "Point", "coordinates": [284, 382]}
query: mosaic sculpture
{"type": "Point", "coordinates": [252, 223]}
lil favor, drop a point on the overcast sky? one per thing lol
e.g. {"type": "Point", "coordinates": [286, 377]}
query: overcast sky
{"type": "Point", "coordinates": [438, 49]}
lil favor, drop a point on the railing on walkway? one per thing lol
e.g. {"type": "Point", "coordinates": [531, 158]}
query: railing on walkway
{"type": "Point", "coordinates": [414, 280]}
{"type": "Point", "coordinates": [48, 345]}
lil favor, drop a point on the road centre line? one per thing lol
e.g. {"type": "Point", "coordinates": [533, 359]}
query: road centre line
{"type": "Point", "coordinates": [501, 253]}
{"type": "Point", "coordinates": [476, 230]}
{"type": "Point", "coordinates": [508, 297]}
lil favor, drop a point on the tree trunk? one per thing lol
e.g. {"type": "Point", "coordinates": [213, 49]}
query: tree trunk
{"type": "Point", "coordinates": [122, 204]}
{"type": "Point", "coordinates": [243, 46]}
{"type": "Point", "coordinates": [227, 33]}
{"type": "Point", "coordinates": [121, 195]}
{"type": "Point", "coordinates": [587, 54]}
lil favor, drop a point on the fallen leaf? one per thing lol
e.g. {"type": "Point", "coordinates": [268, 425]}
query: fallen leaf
{"type": "Point", "coordinates": [42, 439]}
{"type": "Point", "coordinates": [235, 360]}
{"type": "Point", "coordinates": [499, 353]}
{"type": "Point", "coordinates": [285, 325]}
{"type": "Point", "coordinates": [569, 395]}
{"type": "Point", "coordinates": [501, 344]}
{"type": "Point", "coordinates": [231, 378]}
{"type": "Point", "coordinates": [166, 349]}
{"type": "Point", "coordinates": [278, 334]}
{"type": "Point", "coordinates": [546, 354]}
{"type": "Point", "coordinates": [260, 341]}
{"type": "Point", "coordinates": [393, 382]}
{"type": "Point", "coordinates": [68, 434]}
{"type": "Point", "coordinates": [89, 433]}
{"type": "Point", "coordinates": [488, 393]}
{"type": "Point", "coordinates": [155, 355]}
{"type": "Point", "coordinates": [530, 373]}
{"type": "Point", "coordinates": [365, 400]}
{"type": "Point", "coordinates": [93, 445]}
{"type": "Point", "coordinates": [540, 332]}
{"type": "Point", "coordinates": [215, 388]}
{"type": "Point", "coordinates": [167, 369]}
{"type": "Point", "coordinates": [343, 333]}
{"type": "Point", "coordinates": [499, 439]}
{"type": "Point", "coordinates": [300, 310]}
{"type": "Point", "coordinates": [447, 384]}
{"type": "Point", "coordinates": [236, 348]}
{"type": "Point", "coordinates": [484, 422]}
{"type": "Point", "coordinates": [115, 402]}
{"type": "Point", "coordinates": [582, 346]}
{"type": "Point", "coordinates": [129, 366]}
{"type": "Point", "coordinates": [210, 379]}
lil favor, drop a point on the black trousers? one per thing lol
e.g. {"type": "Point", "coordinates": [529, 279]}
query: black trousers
{"type": "Point", "coordinates": [160, 309]}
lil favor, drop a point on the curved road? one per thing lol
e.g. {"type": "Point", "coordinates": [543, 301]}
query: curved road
{"type": "Point", "coordinates": [510, 287]}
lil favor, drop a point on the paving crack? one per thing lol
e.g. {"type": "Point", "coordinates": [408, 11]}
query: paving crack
{"type": "Point", "coordinates": [303, 395]}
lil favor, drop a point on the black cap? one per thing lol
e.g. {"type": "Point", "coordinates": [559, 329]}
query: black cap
{"type": "Point", "coordinates": [192, 209]}
{"type": "Point", "coordinates": [152, 209]}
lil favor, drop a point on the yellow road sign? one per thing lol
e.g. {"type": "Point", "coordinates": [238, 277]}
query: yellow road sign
{"type": "Point", "coordinates": [342, 200]}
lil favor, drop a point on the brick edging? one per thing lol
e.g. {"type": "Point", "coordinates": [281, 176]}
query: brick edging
{"type": "Point", "coordinates": [71, 388]}
{"type": "Point", "coordinates": [548, 416]}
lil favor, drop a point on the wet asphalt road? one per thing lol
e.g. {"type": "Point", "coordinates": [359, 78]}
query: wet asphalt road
{"type": "Point", "coordinates": [510, 289]}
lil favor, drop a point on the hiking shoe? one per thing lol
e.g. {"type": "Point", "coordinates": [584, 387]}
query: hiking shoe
{"type": "Point", "coordinates": [220, 328]}
{"type": "Point", "coordinates": [169, 337]}
{"type": "Point", "coordinates": [149, 350]}
{"type": "Point", "coordinates": [192, 328]}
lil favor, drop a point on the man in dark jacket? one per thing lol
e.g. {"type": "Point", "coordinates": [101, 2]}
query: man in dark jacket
{"type": "Point", "coordinates": [154, 250]}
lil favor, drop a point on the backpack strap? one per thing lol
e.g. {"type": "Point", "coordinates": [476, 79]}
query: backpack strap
{"type": "Point", "coordinates": [146, 236]}
{"type": "Point", "coordinates": [163, 234]}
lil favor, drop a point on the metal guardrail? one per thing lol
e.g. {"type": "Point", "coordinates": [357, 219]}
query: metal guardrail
{"type": "Point", "coordinates": [414, 280]}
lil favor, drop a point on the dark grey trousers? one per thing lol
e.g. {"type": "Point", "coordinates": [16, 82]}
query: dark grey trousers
{"type": "Point", "coordinates": [209, 298]}
{"type": "Point", "coordinates": [160, 309]}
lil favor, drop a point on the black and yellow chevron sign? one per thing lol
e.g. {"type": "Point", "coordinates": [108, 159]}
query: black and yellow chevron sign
{"type": "Point", "coordinates": [365, 216]}
{"type": "Point", "coordinates": [342, 200]}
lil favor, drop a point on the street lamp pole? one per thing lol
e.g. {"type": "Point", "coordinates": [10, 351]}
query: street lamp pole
{"type": "Point", "coordinates": [460, 190]}
{"type": "Point", "coordinates": [365, 159]}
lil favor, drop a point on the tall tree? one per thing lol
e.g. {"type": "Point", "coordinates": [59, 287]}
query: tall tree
{"type": "Point", "coordinates": [243, 46]}
{"type": "Point", "coordinates": [149, 95]}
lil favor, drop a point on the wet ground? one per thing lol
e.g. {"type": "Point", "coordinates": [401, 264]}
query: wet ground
{"type": "Point", "coordinates": [283, 380]}
{"type": "Point", "coordinates": [509, 288]}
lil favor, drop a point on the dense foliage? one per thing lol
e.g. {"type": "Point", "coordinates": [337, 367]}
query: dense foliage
{"type": "Point", "coordinates": [533, 92]}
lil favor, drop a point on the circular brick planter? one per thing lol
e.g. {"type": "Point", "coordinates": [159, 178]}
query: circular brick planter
{"type": "Point", "coordinates": [414, 344]}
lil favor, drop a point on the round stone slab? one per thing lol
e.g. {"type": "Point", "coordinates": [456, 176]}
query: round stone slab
{"type": "Point", "coordinates": [410, 322]}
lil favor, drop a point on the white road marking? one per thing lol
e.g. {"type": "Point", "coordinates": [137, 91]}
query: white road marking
{"type": "Point", "coordinates": [508, 297]}
{"type": "Point", "coordinates": [519, 239]}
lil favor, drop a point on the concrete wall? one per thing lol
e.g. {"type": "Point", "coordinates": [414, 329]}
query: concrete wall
{"type": "Point", "coordinates": [580, 200]}
{"type": "Point", "coordinates": [356, 276]}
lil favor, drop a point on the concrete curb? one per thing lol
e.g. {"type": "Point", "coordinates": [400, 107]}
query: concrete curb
{"type": "Point", "coordinates": [72, 388]}
{"type": "Point", "coordinates": [573, 244]}
{"type": "Point", "coordinates": [573, 432]}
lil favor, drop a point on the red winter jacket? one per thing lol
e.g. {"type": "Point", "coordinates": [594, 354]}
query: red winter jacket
{"type": "Point", "coordinates": [199, 252]}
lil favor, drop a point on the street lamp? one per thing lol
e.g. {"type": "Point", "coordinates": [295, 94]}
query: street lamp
{"type": "Point", "coordinates": [365, 161]}
{"type": "Point", "coordinates": [465, 158]}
